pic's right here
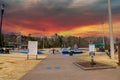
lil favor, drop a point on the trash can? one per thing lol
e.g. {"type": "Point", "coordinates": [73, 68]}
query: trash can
{"type": "Point", "coordinates": [1, 50]}
{"type": "Point", "coordinates": [7, 51]}
{"type": "Point", "coordinates": [71, 53]}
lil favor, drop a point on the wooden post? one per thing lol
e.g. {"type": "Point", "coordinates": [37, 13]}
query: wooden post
{"type": "Point", "coordinates": [119, 54]}
{"type": "Point", "coordinates": [27, 56]}
{"type": "Point", "coordinates": [36, 57]}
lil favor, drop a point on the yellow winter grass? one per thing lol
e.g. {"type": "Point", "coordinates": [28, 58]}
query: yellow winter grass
{"type": "Point", "coordinates": [14, 66]}
{"type": "Point", "coordinates": [101, 58]}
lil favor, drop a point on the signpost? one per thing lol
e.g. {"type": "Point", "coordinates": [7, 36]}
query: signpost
{"type": "Point", "coordinates": [32, 47]}
{"type": "Point", "coordinates": [92, 53]}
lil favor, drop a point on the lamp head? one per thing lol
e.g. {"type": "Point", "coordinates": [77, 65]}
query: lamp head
{"type": "Point", "coordinates": [2, 6]}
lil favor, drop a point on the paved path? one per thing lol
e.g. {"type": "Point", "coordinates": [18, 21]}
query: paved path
{"type": "Point", "coordinates": [57, 67]}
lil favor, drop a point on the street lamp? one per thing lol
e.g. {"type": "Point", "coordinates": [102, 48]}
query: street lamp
{"type": "Point", "coordinates": [2, 12]}
{"type": "Point", "coordinates": [111, 30]}
{"type": "Point", "coordinates": [43, 42]}
{"type": "Point", "coordinates": [103, 37]}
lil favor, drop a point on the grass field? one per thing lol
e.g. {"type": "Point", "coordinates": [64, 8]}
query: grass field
{"type": "Point", "coordinates": [14, 66]}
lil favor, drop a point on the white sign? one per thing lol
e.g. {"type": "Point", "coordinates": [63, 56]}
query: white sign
{"type": "Point", "coordinates": [32, 47]}
{"type": "Point", "coordinates": [91, 47]}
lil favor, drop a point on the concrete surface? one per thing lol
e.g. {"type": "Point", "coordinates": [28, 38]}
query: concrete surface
{"type": "Point", "coordinates": [58, 67]}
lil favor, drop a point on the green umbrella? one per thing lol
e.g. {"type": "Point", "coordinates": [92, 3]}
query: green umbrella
{"type": "Point", "coordinates": [98, 44]}
{"type": "Point", "coordinates": [22, 45]}
{"type": "Point", "coordinates": [10, 45]}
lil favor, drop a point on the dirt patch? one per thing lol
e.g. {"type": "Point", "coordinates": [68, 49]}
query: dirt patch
{"type": "Point", "coordinates": [100, 58]}
{"type": "Point", "coordinates": [86, 65]}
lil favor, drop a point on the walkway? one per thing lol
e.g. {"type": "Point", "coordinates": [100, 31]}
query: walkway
{"type": "Point", "coordinates": [58, 67]}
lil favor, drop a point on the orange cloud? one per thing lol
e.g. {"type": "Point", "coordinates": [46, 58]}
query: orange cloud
{"type": "Point", "coordinates": [92, 30]}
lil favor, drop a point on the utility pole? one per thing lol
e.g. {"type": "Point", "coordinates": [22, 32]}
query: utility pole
{"type": "Point", "coordinates": [1, 21]}
{"type": "Point", "coordinates": [111, 30]}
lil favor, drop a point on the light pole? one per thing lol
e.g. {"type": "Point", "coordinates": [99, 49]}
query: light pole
{"type": "Point", "coordinates": [2, 12]}
{"type": "Point", "coordinates": [111, 30]}
{"type": "Point", "coordinates": [43, 32]}
{"type": "Point", "coordinates": [103, 35]}
{"type": "Point", "coordinates": [43, 41]}
{"type": "Point", "coordinates": [42, 38]}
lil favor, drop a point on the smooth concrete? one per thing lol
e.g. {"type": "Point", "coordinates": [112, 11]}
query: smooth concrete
{"type": "Point", "coordinates": [58, 67]}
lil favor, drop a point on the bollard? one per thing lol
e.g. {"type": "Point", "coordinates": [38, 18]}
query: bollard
{"type": "Point", "coordinates": [92, 54]}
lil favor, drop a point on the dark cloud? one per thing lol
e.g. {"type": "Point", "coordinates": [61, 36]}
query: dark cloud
{"type": "Point", "coordinates": [56, 14]}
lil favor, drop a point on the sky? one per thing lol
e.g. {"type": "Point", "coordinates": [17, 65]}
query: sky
{"type": "Point", "coordinates": [64, 17]}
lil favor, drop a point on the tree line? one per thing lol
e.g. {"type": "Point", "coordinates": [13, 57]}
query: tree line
{"type": "Point", "coordinates": [56, 40]}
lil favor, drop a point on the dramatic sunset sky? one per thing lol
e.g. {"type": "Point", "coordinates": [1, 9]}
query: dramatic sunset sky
{"type": "Point", "coordinates": [65, 17]}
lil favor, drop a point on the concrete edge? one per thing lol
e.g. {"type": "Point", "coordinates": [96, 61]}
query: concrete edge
{"type": "Point", "coordinates": [95, 68]}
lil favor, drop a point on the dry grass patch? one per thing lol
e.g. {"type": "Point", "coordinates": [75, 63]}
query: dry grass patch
{"type": "Point", "coordinates": [14, 66]}
{"type": "Point", "coordinates": [101, 58]}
